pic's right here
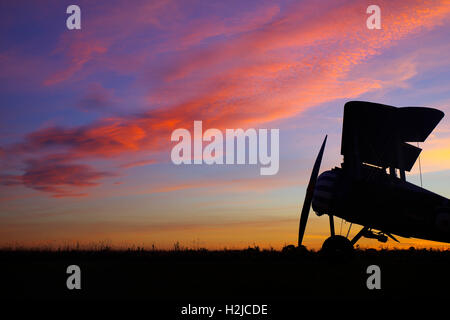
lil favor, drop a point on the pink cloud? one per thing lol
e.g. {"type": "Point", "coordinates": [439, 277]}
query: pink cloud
{"type": "Point", "coordinates": [54, 176]}
{"type": "Point", "coordinates": [79, 53]}
{"type": "Point", "coordinates": [137, 163]}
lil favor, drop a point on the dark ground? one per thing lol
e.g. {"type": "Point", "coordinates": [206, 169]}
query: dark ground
{"type": "Point", "coordinates": [217, 277]}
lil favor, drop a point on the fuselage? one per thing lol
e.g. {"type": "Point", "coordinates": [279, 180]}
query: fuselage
{"type": "Point", "coordinates": [383, 202]}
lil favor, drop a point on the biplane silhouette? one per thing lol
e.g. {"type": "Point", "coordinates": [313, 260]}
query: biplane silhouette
{"type": "Point", "coordinates": [370, 187]}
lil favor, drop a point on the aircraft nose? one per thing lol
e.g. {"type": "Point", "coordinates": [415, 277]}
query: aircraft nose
{"type": "Point", "coordinates": [324, 192]}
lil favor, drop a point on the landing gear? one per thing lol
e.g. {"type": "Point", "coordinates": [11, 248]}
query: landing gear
{"type": "Point", "coordinates": [342, 246]}
{"type": "Point", "coordinates": [337, 246]}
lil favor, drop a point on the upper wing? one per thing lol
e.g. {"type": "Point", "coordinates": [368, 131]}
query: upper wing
{"type": "Point", "coordinates": [377, 133]}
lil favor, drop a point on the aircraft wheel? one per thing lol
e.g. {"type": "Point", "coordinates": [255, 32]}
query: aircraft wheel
{"type": "Point", "coordinates": [337, 246]}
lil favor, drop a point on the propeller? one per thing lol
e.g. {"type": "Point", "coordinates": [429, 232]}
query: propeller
{"type": "Point", "coordinates": [309, 193]}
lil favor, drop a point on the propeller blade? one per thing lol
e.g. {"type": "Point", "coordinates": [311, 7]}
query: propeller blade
{"type": "Point", "coordinates": [309, 193]}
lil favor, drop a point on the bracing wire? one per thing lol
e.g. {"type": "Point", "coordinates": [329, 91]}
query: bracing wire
{"type": "Point", "coordinates": [349, 228]}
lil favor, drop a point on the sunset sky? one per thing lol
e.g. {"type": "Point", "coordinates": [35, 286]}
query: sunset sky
{"type": "Point", "coordinates": [86, 115]}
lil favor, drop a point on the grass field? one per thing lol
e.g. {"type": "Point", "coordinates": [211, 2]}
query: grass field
{"type": "Point", "coordinates": [228, 275]}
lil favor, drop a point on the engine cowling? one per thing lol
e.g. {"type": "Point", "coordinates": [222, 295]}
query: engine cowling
{"type": "Point", "coordinates": [325, 192]}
